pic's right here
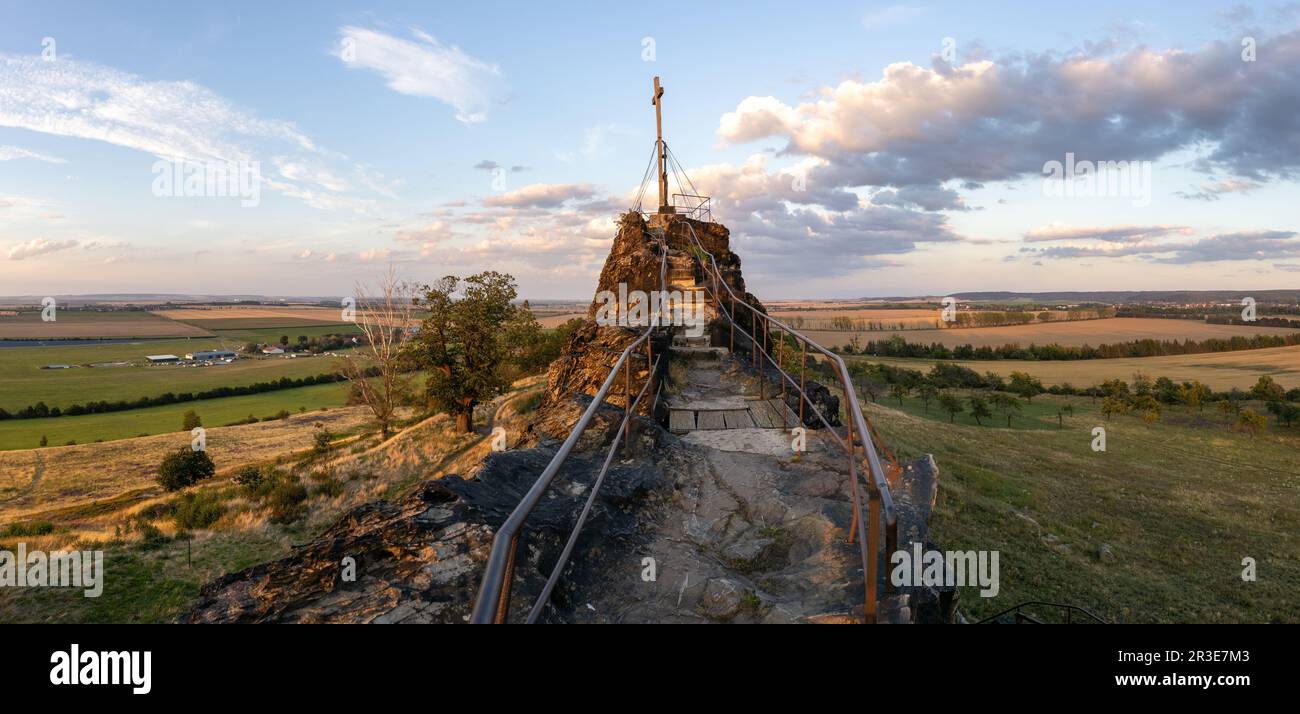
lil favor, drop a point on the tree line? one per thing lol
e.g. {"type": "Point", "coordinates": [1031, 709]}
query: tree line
{"type": "Point", "coordinates": [41, 410]}
{"type": "Point", "coordinates": [897, 346]}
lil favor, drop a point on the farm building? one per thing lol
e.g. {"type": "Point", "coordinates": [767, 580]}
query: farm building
{"type": "Point", "coordinates": [272, 350]}
{"type": "Point", "coordinates": [215, 354]}
{"type": "Point", "coordinates": [159, 359]}
{"type": "Point", "coordinates": [57, 366]}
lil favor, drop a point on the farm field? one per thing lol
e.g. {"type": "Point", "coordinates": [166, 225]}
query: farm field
{"type": "Point", "coordinates": [25, 383]}
{"type": "Point", "coordinates": [27, 433]}
{"type": "Point", "coordinates": [552, 321]}
{"type": "Point", "coordinates": [71, 324]}
{"type": "Point", "coordinates": [1179, 503]}
{"type": "Point", "coordinates": [814, 317]}
{"type": "Point", "coordinates": [1219, 370]}
{"type": "Point", "coordinates": [1079, 332]}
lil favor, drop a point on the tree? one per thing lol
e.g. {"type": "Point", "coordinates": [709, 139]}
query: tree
{"type": "Point", "coordinates": [1251, 421]}
{"type": "Point", "coordinates": [465, 343]}
{"type": "Point", "coordinates": [284, 339]}
{"type": "Point", "coordinates": [928, 393]}
{"type": "Point", "coordinates": [184, 467]}
{"type": "Point", "coordinates": [898, 391]}
{"type": "Point", "coordinates": [1194, 395]}
{"type": "Point", "coordinates": [979, 408]}
{"type": "Point", "coordinates": [952, 405]}
{"type": "Point", "coordinates": [377, 368]}
{"type": "Point", "coordinates": [1025, 386]}
{"type": "Point", "coordinates": [1006, 404]}
{"type": "Point", "coordinates": [1113, 405]}
{"type": "Point", "coordinates": [1147, 406]}
{"type": "Point", "coordinates": [1267, 390]}
{"type": "Point", "coordinates": [190, 420]}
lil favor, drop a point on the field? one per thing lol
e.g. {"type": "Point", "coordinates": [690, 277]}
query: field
{"type": "Point", "coordinates": [212, 315]}
{"type": "Point", "coordinates": [271, 335]}
{"type": "Point", "coordinates": [24, 382]}
{"type": "Point", "coordinates": [27, 433]}
{"type": "Point", "coordinates": [1079, 332]}
{"type": "Point", "coordinates": [812, 318]}
{"type": "Point", "coordinates": [1178, 504]}
{"type": "Point", "coordinates": [69, 324]}
{"type": "Point", "coordinates": [1219, 370]}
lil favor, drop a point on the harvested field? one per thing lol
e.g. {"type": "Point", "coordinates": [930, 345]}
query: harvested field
{"type": "Point", "coordinates": [77, 324]}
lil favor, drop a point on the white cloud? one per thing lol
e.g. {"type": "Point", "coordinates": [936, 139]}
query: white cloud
{"type": "Point", "coordinates": [39, 246]}
{"type": "Point", "coordinates": [541, 195]}
{"type": "Point", "coordinates": [9, 153]}
{"type": "Point", "coordinates": [426, 68]}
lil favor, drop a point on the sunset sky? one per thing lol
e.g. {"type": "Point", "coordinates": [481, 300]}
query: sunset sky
{"type": "Point", "coordinates": [854, 149]}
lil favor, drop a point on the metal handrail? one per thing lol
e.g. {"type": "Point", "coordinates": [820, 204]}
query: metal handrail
{"type": "Point", "coordinates": [1069, 609]}
{"type": "Point", "coordinates": [878, 485]}
{"type": "Point", "coordinates": [493, 599]}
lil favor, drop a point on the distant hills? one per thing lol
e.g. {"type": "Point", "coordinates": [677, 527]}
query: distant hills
{"type": "Point", "coordinates": [1134, 296]}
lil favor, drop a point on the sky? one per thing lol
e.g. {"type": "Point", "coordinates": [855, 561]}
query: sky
{"type": "Point", "coordinates": [853, 149]}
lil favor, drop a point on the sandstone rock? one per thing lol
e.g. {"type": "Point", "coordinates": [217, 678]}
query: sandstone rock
{"type": "Point", "coordinates": [722, 599]}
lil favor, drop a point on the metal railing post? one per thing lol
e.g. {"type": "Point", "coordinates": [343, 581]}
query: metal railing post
{"type": "Point", "coordinates": [873, 551]}
{"type": "Point", "coordinates": [803, 369]}
{"type": "Point", "coordinates": [627, 386]}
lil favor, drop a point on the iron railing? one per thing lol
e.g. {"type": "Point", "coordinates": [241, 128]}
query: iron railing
{"type": "Point", "coordinates": [693, 206]}
{"type": "Point", "coordinates": [879, 499]}
{"type": "Point", "coordinates": [493, 601]}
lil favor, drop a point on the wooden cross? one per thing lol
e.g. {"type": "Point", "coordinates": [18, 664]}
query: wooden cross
{"type": "Point", "coordinates": [660, 149]}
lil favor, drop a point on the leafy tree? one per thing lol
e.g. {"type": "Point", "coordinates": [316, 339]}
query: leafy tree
{"type": "Point", "coordinates": [184, 467]}
{"type": "Point", "coordinates": [928, 393]}
{"type": "Point", "coordinates": [1113, 405]}
{"type": "Point", "coordinates": [979, 408]}
{"type": "Point", "coordinates": [466, 343]}
{"type": "Point", "coordinates": [44, 441]}
{"type": "Point", "coordinates": [951, 404]}
{"type": "Point", "coordinates": [1025, 385]}
{"type": "Point", "coordinates": [1147, 406]}
{"type": "Point", "coordinates": [1267, 390]}
{"type": "Point", "coordinates": [1251, 421]}
{"type": "Point", "coordinates": [190, 420]}
{"type": "Point", "coordinates": [898, 391]}
{"type": "Point", "coordinates": [1006, 404]}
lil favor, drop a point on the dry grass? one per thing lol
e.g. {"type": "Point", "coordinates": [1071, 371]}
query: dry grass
{"type": "Point", "coordinates": [80, 481]}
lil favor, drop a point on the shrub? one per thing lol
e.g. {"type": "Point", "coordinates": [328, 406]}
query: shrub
{"type": "Point", "coordinates": [31, 528]}
{"type": "Point", "coordinates": [184, 467]}
{"type": "Point", "coordinates": [329, 487]}
{"type": "Point", "coordinates": [197, 510]}
{"type": "Point", "coordinates": [285, 501]}
{"type": "Point", "coordinates": [321, 440]}
{"type": "Point", "coordinates": [190, 420]}
{"type": "Point", "coordinates": [530, 403]}
{"type": "Point", "coordinates": [250, 477]}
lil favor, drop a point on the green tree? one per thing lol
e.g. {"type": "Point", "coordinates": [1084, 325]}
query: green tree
{"type": "Point", "coordinates": [465, 343]}
{"type": "Point", "coordinates": [951, 404]}
{"type": "Point", "coordinates": [898, 391]}
{"type": "Point", "coordinates": [184, 467]}
{"type": "Point", "coordinates": [1267, 390]}
{"type": "Point", "coordinates": [928, 393]}
{"type": "Point", "coordinates": [1026, 386]}
{"type": "Point", "coordinates": [190, 420]}
{"type": "Point", "coordinates": [1006, 404]}
{"type": "Point", "coordinates": [979, 408]}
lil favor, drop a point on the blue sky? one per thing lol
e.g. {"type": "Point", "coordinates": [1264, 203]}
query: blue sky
{"type": "Point", "coordinates": [917, 135]}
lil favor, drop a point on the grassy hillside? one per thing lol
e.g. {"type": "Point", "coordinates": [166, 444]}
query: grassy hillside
{"type": "Point", "coordinates": [1180, 503]}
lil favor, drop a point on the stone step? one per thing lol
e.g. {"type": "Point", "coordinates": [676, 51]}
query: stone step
{"type": "Point", "coordinates": [699, 353]}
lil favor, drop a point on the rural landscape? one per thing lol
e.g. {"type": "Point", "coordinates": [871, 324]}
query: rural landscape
{"type": "Point", "coordinates": [943, 316]}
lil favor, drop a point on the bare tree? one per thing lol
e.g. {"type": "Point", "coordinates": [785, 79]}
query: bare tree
{"type": "Point", "coordinates": [377, 368]}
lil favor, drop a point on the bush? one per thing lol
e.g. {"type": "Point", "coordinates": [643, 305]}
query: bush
{"type": "Point", "coordinates": [250, 477]}
{"type": "Point", "coordinates": [330, 487]}
{"type": "Point", "coordinates": [321, 440]}
{"type": "Point", "coordinates": [31, 528]}
{"type": "Point", "coordinates": [190, 420]}
{"type": "Point", "coordinates": [285, 501]}
{"type": "Point", "coordinates": [184, 467]}
{"type": "Point", "coordinates": [195, 511]}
